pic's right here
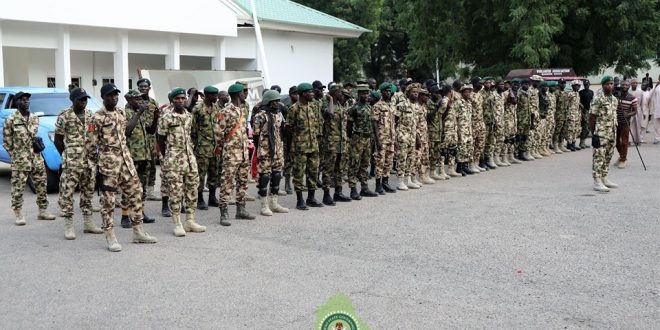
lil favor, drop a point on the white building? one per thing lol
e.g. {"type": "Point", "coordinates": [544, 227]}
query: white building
{"type": "Point", "coordinates": [53, 43]}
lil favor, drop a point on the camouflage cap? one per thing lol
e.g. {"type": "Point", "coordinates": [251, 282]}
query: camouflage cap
{"type": "Point", "coordinates": [346, 93]}
{"type": "Point", "coordinates": [132, 94]}
{"type": "Point", "coordinates": [576, 82]}
{"type": "Point", "coordinates": [336, 87]}
{"type": "Point", "coordinates": [271, 95]}
{"type": "Point", "coordinates": [424, 92]}
{"type": "Point", "coordinates": [466, 86]}
{"type": "Point", "coordinates": [536, 78]}
{"type": "Point", "coordinates": [362, 88]}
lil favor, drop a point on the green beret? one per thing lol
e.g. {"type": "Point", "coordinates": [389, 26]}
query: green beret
{"type": "Point", "coordinates": [176, 91]}
{"type": "Point", "coordinates": [605, 79]}
{"type": "Point", "coordinates": [336, 87]}
{"type": "Point", "coordinates": [551, 83]}
{"type": "Point", "coordinates": [211, 90]}
{"type": "Point", "coordinates": [235, 88]}
{"type": "Point", "coordinates": [271, 95]}
{"type": "Point", "coordinates": [363, 88]}
{"type": "Point", "coordinates": [375, 94]}
{"type": "Point", "coordinates": [394, 89]}
{"type": "Point", "coordinates": [489, 78]}
{"type": "Point", "coordinates": [244, 83]}
{"type": "Point", "coordinates": [384, 85]}
{"type": "Point", "coordinates": [303, 87]}
{"type": "Point", "coordinates": [144, 80]}
{"type": "Point", "coordinates": [132, 94]}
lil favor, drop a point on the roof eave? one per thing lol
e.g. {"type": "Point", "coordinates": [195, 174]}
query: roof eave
{"type": "Point", "coordinates": [329, 31]}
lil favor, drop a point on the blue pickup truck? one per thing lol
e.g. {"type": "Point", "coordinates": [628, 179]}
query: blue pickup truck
{"type": "Point", "coordinates": [46, 103]}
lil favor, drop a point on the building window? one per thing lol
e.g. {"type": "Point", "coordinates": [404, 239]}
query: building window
{"type": "Point", "coordinates": [75, 81]}
{"type": "Point", "coordinates": [50, 82]}
{"type": "Point", "coordinates": [105, 81]}
{"type": "Point", "coordinates": [130, 83]}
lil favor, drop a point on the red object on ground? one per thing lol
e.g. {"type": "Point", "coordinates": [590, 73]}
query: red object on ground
{"type": "Point", "coordinates": [519, 270]}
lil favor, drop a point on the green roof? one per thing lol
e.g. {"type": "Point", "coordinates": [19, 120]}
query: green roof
{"type": "Point", "coordinates": [286, 11]}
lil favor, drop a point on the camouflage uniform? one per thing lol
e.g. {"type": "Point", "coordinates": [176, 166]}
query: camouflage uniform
{"type": "Point", "coordinates": [18, 132]}
{"type": "Point", "coordinates": [560, 116]}
{"type": "Point", "coordinates": [466, 144]}
{"type": "Point", "coordinates": [203, 138]}
{"type": "Point", "coordinates": [574, 116]}
{"type": "Point", "coordinates": [604, 108]}
{"type": "Point", "coordinates": [163, 180]}
{"type": "Point", "coordinates": [336, 147]}
{"type": "Point", "coordinates": [450, 128]}
{"type": "Point", "coordinates": [550, 119]}
{"type": "Point", "coordinates": [383, 113]}
{"type": "Point", "coordinates": [288, 163]}
{"type": "Point", "coordinates": [493, 113]}
{"type": "Point", "coordinates": [232, 147]}
{"type": "Point", "coordinates": [533, 141]}
{"type": "Point", "coordinates": [435, 130]}
{"type": "Point", "coordinates": [267, 162]}
{"type": "Point", "coordinates": [478, 125]}
{"type": "Point", "coordinates": [140, 144]}
{"type": "Point", "coordinates": [149, 113]}
{"type": "Point", "coordinates": [360, 116]}
{"type": "Point", "coordinates": [303, 123]}
{"type": "Point", "coordinates": [510, 123]}
{"type": "Point", "coordinates": [406, 112]}
{"type": "Point", "coordinates": [115, 165]}
{"type": "Point", "coordinates": [179, 163]}
{"type": "Point", "coordinates": [523, 116]}
{"type": "Point", "coordinates": [76, 167]}
{"type": "Point", "coordinates": [422, 135]}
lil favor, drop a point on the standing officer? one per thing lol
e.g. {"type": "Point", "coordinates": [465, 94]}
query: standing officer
{"type": "Point", "coordinates": [203, 138]}
{"type": "Point", "coordinates": [179, 163]}
{"type": "Point", "coordinates": [561, 114]}
{"type": "Point", "coordinates": [288, 162]}
{"type": "Point", "coordinates": [385, 137]}
{"type": "Point", "coordinates": [478, 126]}
{"type": "Point", "coordinates": [466, 144]}
{"type": "Point", "coordinates": [586, 96]}
{"type": "Point", "coordinates": [422, 164]}
{"type": "Point", "coordinates": [535, 126]}
{"type": "Point", "coordinates": [303, 124]}
{"type": "Point", "coordinates": [337, 143]}
{"type": "Point", "coordinates": [438, 107]}
{"type": "Point", "coordinates": [360, 130]}
{"type": "Point", "coordinates": [107, 148]}
{"type": "Point", "coordinates": [524, 116]}
{"type": "Point", "coordinates": [70, 141]}
{"type": "Point", "coordinates": [232, 148]}
{"type": "Point", "coordinates": [144, 86]}
{"type": "Point", "coordinates": [19, 135]}
{"type": "Point", "coordinates": [406, 128]}
{"type": "Point", "coordinates": [574, 116]}
{"type": "Point", "coordinates": [603, 123]}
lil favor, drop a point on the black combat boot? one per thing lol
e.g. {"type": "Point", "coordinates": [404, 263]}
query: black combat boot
{"type": "Point", "coordinates": [311, 201]}
{"type": "Point", "coordinates": [224, 217]}
{"type": "Point", "coordinates": [339, 196]}
{"type": "Point", "coordinates": [379, 187]}
{"type": "Point", "coordinates": [242, 213]}
{"type": "Point", "coordinates": [576, 146]}
{"type": "Point", "coordinates": [386, 185]}
{"type": "Point", "coordinates": [570, 147]}
{"type": "Point", "coordinates": [213, 200]}
{"type": "Point", "coordinates": [183, 208]}
{"type": "Point", "coordinates": [327, 199]}
{"type": "Point", "coordinates": [288, 187]}
{"type": "Point", "coordinates": [165, 209]}
{"type": "Point", "coordinates": [462, 168]}
{"type": "Point", "coordinates": [300, 205]}
{"type": "Point", "coordinates": [201, 204]}
{"type": "Point", "coordinates": [366, 192]}
{"type": "Point", "coordinates": [126, 221]}
{"type": "Point", "coordinates": [355, 195]}
{"type": "Point", "coordinates": [147, 219]}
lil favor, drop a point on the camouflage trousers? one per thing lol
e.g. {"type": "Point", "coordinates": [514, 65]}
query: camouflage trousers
{"type": "Point", "coordinates": [435, 154]}
{"type": "Point", "coordinates": [584, 123]}
{"type": "Point", "coordinates": [151, 168]}
{"type": "Point", "coordinates": [335, 167]}
{"type": "Point", "coordinates": [208, 171]}
{"type": "Point", "coordinates": [560, 129]}
{"type": "Point", "coordinates": [143, 169]}
{"type": "Point", "coordinates": [288, 161]}
{"type": "Point", "coordinates": [163, 183]}
{"type": "Point", "coordinates": [479, 140]}
{"type": "Point", "coordinates": [360, 160]}
{"type": "Point", "coordinates": [465, 152]}
{"type": "Point", "coordinates": [601, 158]}
{"type": "Point", "coordinates": [422, 158]}
{"type": "Point", "coordinates": [234, 177]}
{"type": "Point", "coordinates": [130, 187]}
{"type": "Point", "coordinates": [405, 157]}
{"type": "Point", "coordinates": [305, 165]}
{"type": "Point", "coordinates": [18, 180]}
{"type": "Point", "coordinates": [537, 135]}
{"type": "Point", "coordinates": [491, 141]}
{"type": "Point", "coordinates": [384, 159]}
{"type": "Point", "coordinates": [498, 146]}
{"type": "Point", "coordinates": [183, 190]}
{"type": "Point", "coordinates": [573, 127]}
{"type": "Point", "coordinates": [72, 177]}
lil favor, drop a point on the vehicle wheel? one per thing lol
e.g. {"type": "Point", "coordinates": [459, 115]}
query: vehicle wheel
{"type": "Point", "coordinates": [52, 182]}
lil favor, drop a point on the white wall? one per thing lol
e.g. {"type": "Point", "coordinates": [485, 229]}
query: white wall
{"type": "Point", "coordinates": [195, 63]}
{"type": "Point", "coordinates": [242, 46]}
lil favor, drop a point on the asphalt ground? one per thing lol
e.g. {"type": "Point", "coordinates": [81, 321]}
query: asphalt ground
{"type": "Point", "coordinates": [528, 246]}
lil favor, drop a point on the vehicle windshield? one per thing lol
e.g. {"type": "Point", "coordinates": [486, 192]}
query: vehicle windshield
{"type": "Point", "coordinates": [51, 104]}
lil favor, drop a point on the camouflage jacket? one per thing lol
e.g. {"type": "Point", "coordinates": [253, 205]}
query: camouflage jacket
{"type": "Point", "coordinates": [336, 137]}
{"type": "Point", "coordinates": [179, 156]}
{"type": "Point", "coordinates": [383, 113]}
{"type": "Point", "coordinates": [435, 126]}
{"type": "Point", "coordinates": [449, 123]}
{"type": "Point", "coordinates": [360, 115]}
{"type": "Point", "coordinates": [477, 106]}
{"type": "Point", "coordinates": [523, 111]}
{"type": "Point", "coordinates": [17, 140]}
{"type": "Point", "coordinates": [140, 142]}
{"type": "Point", "coordinates": [534, 102]}
{"type": "Point", "coordinates": [269, 143]}
{"type": "Point", "coordinates": [303, 123]}
{"type": "Point", "coordinates": [406, 112]}
{"type": "Point", "coordinates": [231, 133]}
{"type": "Point", "coordinates": [422, 126]}
{"type": "Point", "coordinates": [107, 145]}
{"type": "Point", "coordinates": [76, 140]}
{"type": "Point", "coordinates": [604, 109]}
{"type": "Point", "coordinates": [464, 120]}
{"type": "Point", "coordinates": [203, 123]}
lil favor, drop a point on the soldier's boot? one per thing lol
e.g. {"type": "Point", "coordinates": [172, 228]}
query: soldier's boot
{"type": "Point", "coordinates": [232, 198]}
{"type": "Point", "coordinates": [224, 217]}
{"type": "Point", "coordinates": [425, 179]}
{"type": "Point", "coordinates": [242, 213]}
{"type": "Point", "coordinates": [583, 144]}
{"type": "Point", "coordinates": [265, 210]}
{"type": "Point", "coordinates": [386, 185]}
{"type": "Point", "coordinates": [213, 199]}
{"type": "Point", "coordinates": [413, 179]}
{"type": "Point", "coordinates": [178, 227]}
{"type": "Point", "coordinates": [20, 218]}
{"type": "Point", "coordinates": [470, 169]}
{"type": "Point", "coordinates": [534, 154]}
{"type": "Point", "coordinates": [513, 160]}
{"type": "Point", "coordinates": [576, 147]}
{"type": "Point", "coordinates": [476, 168]}
{"type": "Point", "coordinates": [410, 183]}
{"type": "Point", "coordinates": [443, 173]}
{"type": "Point", "coordinates": [191, 226]}
{"type": "Point", "coordinates": [201, 204]}
{"type": "Point", "coordinates": [311, 201]}
{"type": "Point", "coordinates": [152, 195]}
{"type": "Point", "coordinates": [339, 196]}
{"type": "Point", "coordinates": [327, 199]}
{"type": "Point", "coordinates": [288, 187]}
{"type": "Point", "coordinates": [608, 183]}
{"type": "Point", "coordinates": [570, 147]}
{"type": "Point", "coordinates": [165, 208]}
{"type": "Point", "coordinates": [562, 148]}
{"type": "Point", "coordinates": [147, 219]}
{"type": "Point", "coordinates": [379, 187]}
{"type": "Point", "coordinates": [126, 220]}
{"type": "Point", "coordinates": [452, 170]}
{"type": "Point", "coordinates": [111, 239]}
{"type": "Point", "coordinates": [89, 227]}
{"type": "Point", "coordinates": [497, 161]}
{"type": "Point", "coordinates": [600, 186]}
{"type": "Point", "coordinates": [435, 175]}
{"type": "Point", "coordinates": [300, 203]}
{"type": "Point", "coordinates": [275, 205]}
{"type": "Point", "coordinates": [69, 231]}
{"type": "Point", "coordinates": [548, 150]}
{"type": "Point", "coordinates": [556, 148]}
{"type": "Point", "coordinates": [45, 215]}
{"type": "Point", "coordinates": [402, 183]}
{"type": "Point", "coordinates": [490, 162]}
{"type": "Point", "coordinates": [462, 168]}
{"type": "Point", "coordinates": [526, 157]}
{"type": "Point", "coordinates": [366, 192]}
{"type": "Point", "coordinates": [355, 195]}
{"type": "Point", "coordinates": [249, 197]}
{"type": "Point", "coordinates": [140, 236]}
{"type": "Point", "coordinates": [504, 158]}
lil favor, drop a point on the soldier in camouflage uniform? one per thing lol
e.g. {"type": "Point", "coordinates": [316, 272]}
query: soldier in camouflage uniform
{"type": "Point", "coordinates": [303, 123]}
{"type": "Point", "coordinates": [478, 127]}
{"type": "Point", "coordinates": [510, 122]}
{"type": "Point", "coordinates": [203, 138]}
{"type": "Point", "coordinates": [464, 121]}
{"type": "Point", "coordinates": [144, 86]}
{"type": "Point", "coordinates": [437, 108]}
{"type": "Point", "coordinates": [493, 111]}
{"type": "Point", "coordinates": [107, 148]}
{"type": "Point", "coordinates": [561, 114]}
{"type": "Point", "coordinates": [270, 154]}
{"type": "Point", "coordinates": [385, 137]}
{"type": "Point", "coordinates": [550, 119]}
{"type": "Point", "coordinates": [544, 110]}
{"type": "Point", "coordinates": [70, 141]}
{"type": "Point", "coordinates": [524, 119]}
{"type": "Point", "coordinates": [179, 163]}
{"type": "Point", "coordinates": [232, 148]}
{"type": "Point", "coordinates": [336, 146]}
{"type": "Point", "coordinates": [603, 123]}
{"type": "Point", "coordinates": [574, 116]}
{"type": "Point", "coordinates": [450, 126]}
{"type": "Point", "coordinates": [288, 162]}
{"type": "Point", "coordinates": [406, 126]}
{"type": "Point", "coordinates": [536, 127]}
{"type": "Point", "coordinates": [18, 132]}
{"type": "Point", "coordinates": [360, 130]}
{"type": "Point", "coordinates": [422, 158]}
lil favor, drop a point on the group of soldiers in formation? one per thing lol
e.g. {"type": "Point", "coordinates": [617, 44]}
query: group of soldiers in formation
{"type": "Point", "coordinates": [422, 132]}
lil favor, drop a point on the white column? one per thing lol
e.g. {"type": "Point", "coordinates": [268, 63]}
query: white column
{"type": "Point", "coordinates": [121, 64]}
{"type": "Point", "coordinates": [63, 59]}
{"type": "Point", "coordinates": [173, 57]}
{"type": "Point", "coordinates": [218, 62]}
{"type": "Point", "coordinates": [2, 61]}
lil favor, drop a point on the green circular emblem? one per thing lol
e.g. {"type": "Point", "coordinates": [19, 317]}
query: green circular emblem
{"type": "Point", "coordinates": [339, 321]}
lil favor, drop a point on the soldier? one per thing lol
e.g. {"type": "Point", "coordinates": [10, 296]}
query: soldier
{"type": "Point", "coordinates": [335, 146]}
{"type": "Point", "coordinates": [511, 122]}
{"type": "Point", "coordinates": [70, 140]}
{"type": "Point", "coordinates": [140, 130]}
{"type": "Point", "coordinates": [144, 86]}
{"type": "Point", "coordinates": [544, 111]}
{"type": "Point", "coordinates": [524, 121]}
{"type": "Point", "coordinates": [437, 107]}
{"type": "Point", "coordinates": [270, 154]}
{"type": "Point", "coordinates": [406, 126]}
{"type": "Point", "coordinates": [303, 124]}
{"type": "Point", "coordinates": [603, 124]}
{"type": "Point", "coordinates": [179, 162]}
{"type": "Point", "coordinates": [288, 162]}
{"type": "Point", "coordinates": [422, 158]}
{"type": "Point", "coordinates": [550, 119]}
{"type": "Point", "coordinates": [223, 99]}
{"type": "Point", "coordinates": [232, 147]}
{"type": "Point", "coordinates": [533, 140]}
{"type": "Point", "coordinates": [464, 128]}
{"type": "Point", "coordinates": [561, 114]}
{"type": "Point", "coordinates": [574, 116]}
{"type": "Point", "coordinates": [586, 96]}
{"type": "Point", "coordinates": [360, 131]}
{"type": "Point", "coordinates": [478, 127]}
{"type": "Point", "coordinates": [385, 137]}
{"type": "Point", "coordinates": [203, 139]}
{"type": "Point", "coordinates": [493, 111]}
{"type": "Point", "coordinates": [450, 123]}
{"type": "Point", "coordinates": [19, 134]}
{"type": "Point", "coordinates": [107, 148]}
